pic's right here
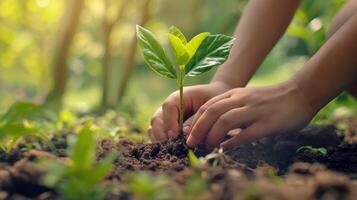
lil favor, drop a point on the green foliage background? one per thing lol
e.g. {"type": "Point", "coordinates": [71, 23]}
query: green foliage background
{"type": "Point", "coordinates": [28, 34]}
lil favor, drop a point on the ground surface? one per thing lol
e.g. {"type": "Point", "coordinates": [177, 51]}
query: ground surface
{"type": "Point", "coordinates": [269, 169]}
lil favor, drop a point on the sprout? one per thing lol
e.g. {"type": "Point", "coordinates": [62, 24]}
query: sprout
{"type": "Point", "coordinates": [320, 150]}
{"type": "Point", "coordinates": [194, 57]}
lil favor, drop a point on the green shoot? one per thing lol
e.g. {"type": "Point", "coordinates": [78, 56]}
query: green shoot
{"type": "Point", "coordinates": [22, 120]}
{"type": "Point", "coordinates": [194, 57]}
{"type": "Point", "coordinates": [148, 187]}
{"type": "Point", "coordinates": [196, 185]}
{"type": "Point", "coordinates": [79, 178]}
{"type": "Point", "coordinates": [320, 150]}
{"type": "Point", "coordinates": [193, 159]}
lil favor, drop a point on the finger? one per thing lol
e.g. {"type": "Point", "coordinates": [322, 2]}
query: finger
{"type": "Point", "coordinates": [157, 127]}
{"type": "Point", "coordinates": [187, 125]}
{"type": "Point", "coordinates": [205, 106]}
{"type": "Point", "coordinates": [159, 133]}
{"type": "Point", "coordinates": [170, 112]}
{"type": "Point", "coordinates": [250, 134]}
{"type": "Point", "coordinates": [201, 128]}
{"type": "Point", "coordinates": [233, 119]}
{"type": "Point", "coordinates": [151, 136]}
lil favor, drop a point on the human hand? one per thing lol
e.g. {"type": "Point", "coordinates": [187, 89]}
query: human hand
{"type": "Point", "coordinates": [259, 112]}
{"type": "Point", "coordinates": [164, 123]}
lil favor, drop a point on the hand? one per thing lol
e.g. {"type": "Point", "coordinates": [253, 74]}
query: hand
{"type": "Point", "coordinates": [258, 111]}
{"type": "Point", "coordinates": [164, 123]}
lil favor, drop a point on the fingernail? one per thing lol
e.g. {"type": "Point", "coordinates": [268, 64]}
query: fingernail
{"type": "Point", "coordinates": [171, 134]}
{"type": "Point", "coordinates": [186, 129]}
{"type": "Point", "coordinates": [190, 141]}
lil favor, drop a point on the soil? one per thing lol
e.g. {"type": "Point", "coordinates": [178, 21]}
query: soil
{"type": "Point", "coordinates": [268, 169]}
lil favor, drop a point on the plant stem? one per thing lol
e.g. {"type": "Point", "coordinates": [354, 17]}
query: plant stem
{"type": "Point", "coordinates": [181, 79]}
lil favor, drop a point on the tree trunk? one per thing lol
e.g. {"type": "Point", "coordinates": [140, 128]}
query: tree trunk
{"type": "Point", "coordinates": [106, 63]}
{"type": "Point", "coordinates": [67, 29]}
{"type": "Point", "coordinates": [107, 56]}
{"type": "Point", "coordinates": [130, 60]}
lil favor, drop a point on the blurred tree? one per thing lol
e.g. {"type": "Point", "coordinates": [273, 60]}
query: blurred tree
{"type": "Point", "coordinates": [67, 29]}
{"type": "Point", "coordinates": [130, 59]}
{"type": "Point", "coordinates": [108, 25]}
{"type": "Point", "coordinates": [310, 25]}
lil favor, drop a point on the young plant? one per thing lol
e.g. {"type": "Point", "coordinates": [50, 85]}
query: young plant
{"type": "Point", "coordinates": [148, 187]}
{"type": "Point", "coordinates": [194, 57]}
{"type": "Point", "coordinates": [79, 178]}
{"type": "Point", "coordinates": [22, 120]}
{"type": "Point", "coordinates": [319, 150]}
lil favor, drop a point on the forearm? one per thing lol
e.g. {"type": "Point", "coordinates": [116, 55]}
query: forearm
{"type": "Point", "coordinates": [261, 26]}
{"type": "Point", "coordinates": [332, 69]}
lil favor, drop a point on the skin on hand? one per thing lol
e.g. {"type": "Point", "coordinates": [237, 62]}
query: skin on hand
{"type": "Point", "coordinates": [164, 123]}
{"type": "Point", "coordinates": [259, 112]}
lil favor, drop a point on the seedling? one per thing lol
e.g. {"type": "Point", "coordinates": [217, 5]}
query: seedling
{"type": "Point", "coordinates": [320, 150]}
{"type": "Point", "coordinates": [21, 120]}
{"type": "Point", "coordinates": [79, 178]}
{"type": "Point", "coordinates": [194, 161]}
{"type": "Point", "coordinates": [213, 158]}
{"type": "Point", "coordinates": [194, 57]}
{"type": "Point", "coordinates": [146, 186]}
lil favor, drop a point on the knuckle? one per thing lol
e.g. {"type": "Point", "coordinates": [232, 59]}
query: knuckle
{"type": "Point", "coordinates": [167, 105]}
{"type": "Point", "coordinates": [224, 121]}
{"type": "Point", "coordinates": [213, 110]}
{"type": "Point", "coordinates": [172, 96]}
{"type": "Point", "coordinates": [242, 96]}
{"type": "Point", "coordinates": [203, 109]}
{"type": "Point", "coordinates": [153, 120]}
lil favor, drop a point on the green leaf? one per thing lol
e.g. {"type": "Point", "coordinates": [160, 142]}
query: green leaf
{"type": "Point", "coordinates": [193, 159]}
{"type": "Point", "coordinates": [102, 168]}
{"type": "Point", "coordinates": [82, 152]}
{"type": "Point", "coordinates": [213, 51]}
{"type": "Point", "coordinates": [154, 55]}
{"type": "Point", "coordinates": [22, 110]}
{"type": "Point", "coordinates": [16, 130]}
{"type": "Point", "coordinates": [195, 42]}
{"type": "Point", "coordinates": [320, 150]}
{"type": "Point", "coordinates": [176, 32]}
{"type": "Point", "coordinates": [179, 48]}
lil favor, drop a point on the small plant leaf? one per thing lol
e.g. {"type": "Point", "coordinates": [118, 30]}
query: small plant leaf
{"type": "Point", "coordinates": [102, 168]}
{"type": "Point", "coordinates": [320, 150]}
{"type": "Point", "coordinates": [195, 42]}
{"type": "Point", "coordinates": [176, 32]}
{"type": "Point", "coordinates": [22, 110]}
{"type": "Point", "coordinates": [179, 48]}
{"type": "Point", "coordinates": [213, 51]}
{"type": "Point", "coordinates": [193, 159]}
{"type": "Point", "coordinates": [16, 130]}
{"type": "Point", "coordinates": [154, 54]}
{"type": "Point", "coordinates": [82, 152]}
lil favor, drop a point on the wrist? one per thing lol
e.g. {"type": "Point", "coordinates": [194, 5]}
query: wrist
{"type": "Point", "coordinates": [292, 88]}
{"type": "Point", "coordinates": [221, 85]}
{"type": "Point", "coordinates": [235, 72]}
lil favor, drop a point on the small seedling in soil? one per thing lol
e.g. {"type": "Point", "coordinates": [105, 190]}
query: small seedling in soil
{"type": "Point", "coordinates": [20, 121]}
{"type": "Point", "coordinates": [195, 186]}
{"type": "Point", "coordinates": [320, 150]}
{"type": "Point", "coordinates": [148, 187]}
{"type": "Point", "coordinates": [79, 178]}
{"type": "Point", "coordinates": [194, 57]}
{"type": "Point", "coordinates": [194, 161]}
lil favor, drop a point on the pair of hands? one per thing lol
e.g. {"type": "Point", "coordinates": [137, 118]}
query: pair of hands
{"type": "Point", "coordinates": [213, 110]}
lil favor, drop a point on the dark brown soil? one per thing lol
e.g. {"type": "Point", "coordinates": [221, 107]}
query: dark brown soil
{"type": "Point", "coordinates": [268, 169]}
